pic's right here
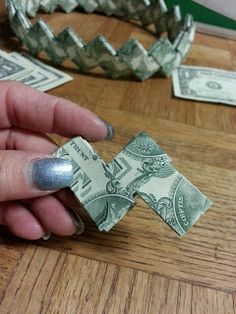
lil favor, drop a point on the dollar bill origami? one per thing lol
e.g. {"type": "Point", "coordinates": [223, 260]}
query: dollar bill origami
{"type": "Point", "coordinates": [107, 192]}
{"type": "Point", "coordinates": [175, 36]}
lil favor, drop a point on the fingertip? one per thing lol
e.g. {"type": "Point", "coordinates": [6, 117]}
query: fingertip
{"type": "Point", "coordinates": [33, 110]}
{"type": "Point", "coordinates": [53, 215]}
{"type": "Point", "coordinates": [21, 222]}
{"type": "Point", "coordinates": [110, 131]}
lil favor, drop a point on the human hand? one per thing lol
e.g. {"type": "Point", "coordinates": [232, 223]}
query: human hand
{"type": "Point", "coordinates": [29, 176]}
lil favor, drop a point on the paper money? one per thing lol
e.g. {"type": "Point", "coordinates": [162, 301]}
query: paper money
{"type": "Point", "coordinates": [46, 77]}
{"type": "Point", "coordinates": [10, 69]}
{"type": "Point", "coordinates": [96, 188]}
{"type": "Point", "coordinates": [30, 71]}
{"type": "Point", "coordinates": [142, 168]}
{"type": "Point", "coordinates": [132, 58]}
{"type": "Point", "coordinates": [205, 84]}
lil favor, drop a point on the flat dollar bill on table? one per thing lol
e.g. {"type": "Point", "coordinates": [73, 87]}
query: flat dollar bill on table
{"type": "Point", "coordinates": [10, 69]}
{"type": "Point", "coordinates": [44, 77]}
{"type": "Point", "coordinates": [205, 84]}
{"type": "Point", "coordinates": [142, 168]}
{"type": "Point", "coordinates": [30, 71]}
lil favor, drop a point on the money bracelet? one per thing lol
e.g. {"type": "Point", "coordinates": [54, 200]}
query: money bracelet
{"type": "Point", "coordinates": [174, 34]}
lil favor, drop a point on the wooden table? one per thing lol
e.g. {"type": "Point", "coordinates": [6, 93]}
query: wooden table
{"type": "Point", "coordinates": [141, 266]}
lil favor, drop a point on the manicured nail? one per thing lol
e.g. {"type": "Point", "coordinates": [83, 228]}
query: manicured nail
{"type": "Point", "coordinates": [47, 236]}
{"type": "Point", "coordinates": [77, 221]}
{"type": "Point", "coordinates": [110, 130]}
{"type": "Point", "coordinates": [51, 173]}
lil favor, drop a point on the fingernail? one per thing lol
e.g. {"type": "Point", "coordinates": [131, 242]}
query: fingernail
{"type": "Point", "coordinates": [51, 173]}
{"type": "Point", "coordinates": [110, 130]}
{"type": "Point", "coordinates": [77, 221]}
{"type": "Point", "coordinates": [47, 236]}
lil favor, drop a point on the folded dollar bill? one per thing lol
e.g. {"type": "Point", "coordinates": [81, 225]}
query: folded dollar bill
{"type": "Point", "coordinates": [132, 58]}
{"type": "Point", "coordinates": [205, 84]}
{"type": "Point", "coordinates": [94, 185]}
{"type": "Point", "coordinates": [142, 168]}
{"type": "Point", "coordinates": [30, 71]}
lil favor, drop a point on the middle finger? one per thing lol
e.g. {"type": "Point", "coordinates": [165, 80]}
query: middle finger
{"type": "Point", "coordinates": [18, 139]}
{"type": "Point", "coordinates": [55, 217]}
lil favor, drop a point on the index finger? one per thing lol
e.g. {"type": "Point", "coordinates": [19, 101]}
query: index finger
{"type": "Point", "coordinates": [26, 108]}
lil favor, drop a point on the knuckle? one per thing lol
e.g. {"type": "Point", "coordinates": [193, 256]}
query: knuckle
{"type": "Point", "coordinates": [58, 105]}
{"type": "Point", "coordinates": [10, 176]}
{"type": "Point", "coordinates": [4, 178]}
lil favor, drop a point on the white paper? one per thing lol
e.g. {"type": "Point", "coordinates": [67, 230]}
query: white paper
{"type": "Point", "coordinates": [226, 7]}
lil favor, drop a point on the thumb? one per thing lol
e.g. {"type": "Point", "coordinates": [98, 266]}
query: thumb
{"type": "Point", "coordinates": [26, 175]}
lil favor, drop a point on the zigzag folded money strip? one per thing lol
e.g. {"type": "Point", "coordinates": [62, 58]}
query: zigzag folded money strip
{"type": "Point", "coordinates": [166, 54]}
{"type": "Point", "coordinates": [142, 168]}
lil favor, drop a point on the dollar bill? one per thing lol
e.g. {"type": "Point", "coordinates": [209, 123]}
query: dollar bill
{"type": "Point", "coordinates": [44, 76]}
{"type": "Point", "coordinates": [130, 59]}
{"type": "Point", "coordinates": [145, 169]}
{"type": "Point", "coordinates": [34, 79]}
{"type": "Point", "coordinates": [96, 188]}
{"type": "Point", "coordinates": [205, 84]}
{"type": "Point", "coordinates": [142, 168]}
{"type": "Point", "coordinates": [30, 71]}
{"type": "Point", "coordinates": [10, 69]}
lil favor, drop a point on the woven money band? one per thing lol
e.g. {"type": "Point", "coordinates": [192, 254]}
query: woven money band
{"type": "Point", "coordinates": [167, 53]}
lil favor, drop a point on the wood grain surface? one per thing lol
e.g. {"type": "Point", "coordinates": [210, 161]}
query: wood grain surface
{"type": "Point", "coordinates": [141, 266]}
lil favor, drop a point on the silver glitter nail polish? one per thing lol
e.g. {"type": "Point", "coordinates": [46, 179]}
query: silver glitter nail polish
{"type": "Point", "coordinates": [47, 236]}
{"type": "Point", "coordinates": [51, 173]}
{"type": "Point", "coordinates": [110, 130]}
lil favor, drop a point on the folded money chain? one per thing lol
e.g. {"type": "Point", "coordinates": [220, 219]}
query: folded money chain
{"type": "Point", "coordinates": [142, 168]}
{"type": "Point", "coordinates": [132, 58]}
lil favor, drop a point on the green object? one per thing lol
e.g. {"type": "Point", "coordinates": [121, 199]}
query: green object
{"type": "Point", "coordinates": [130, 59]}
{"type": "Point", "coordinates": [108, 192]}
{"type": "Point", "coordinates": [205, 84]}
{"type": "Point", "coordinates": [202, 14]}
